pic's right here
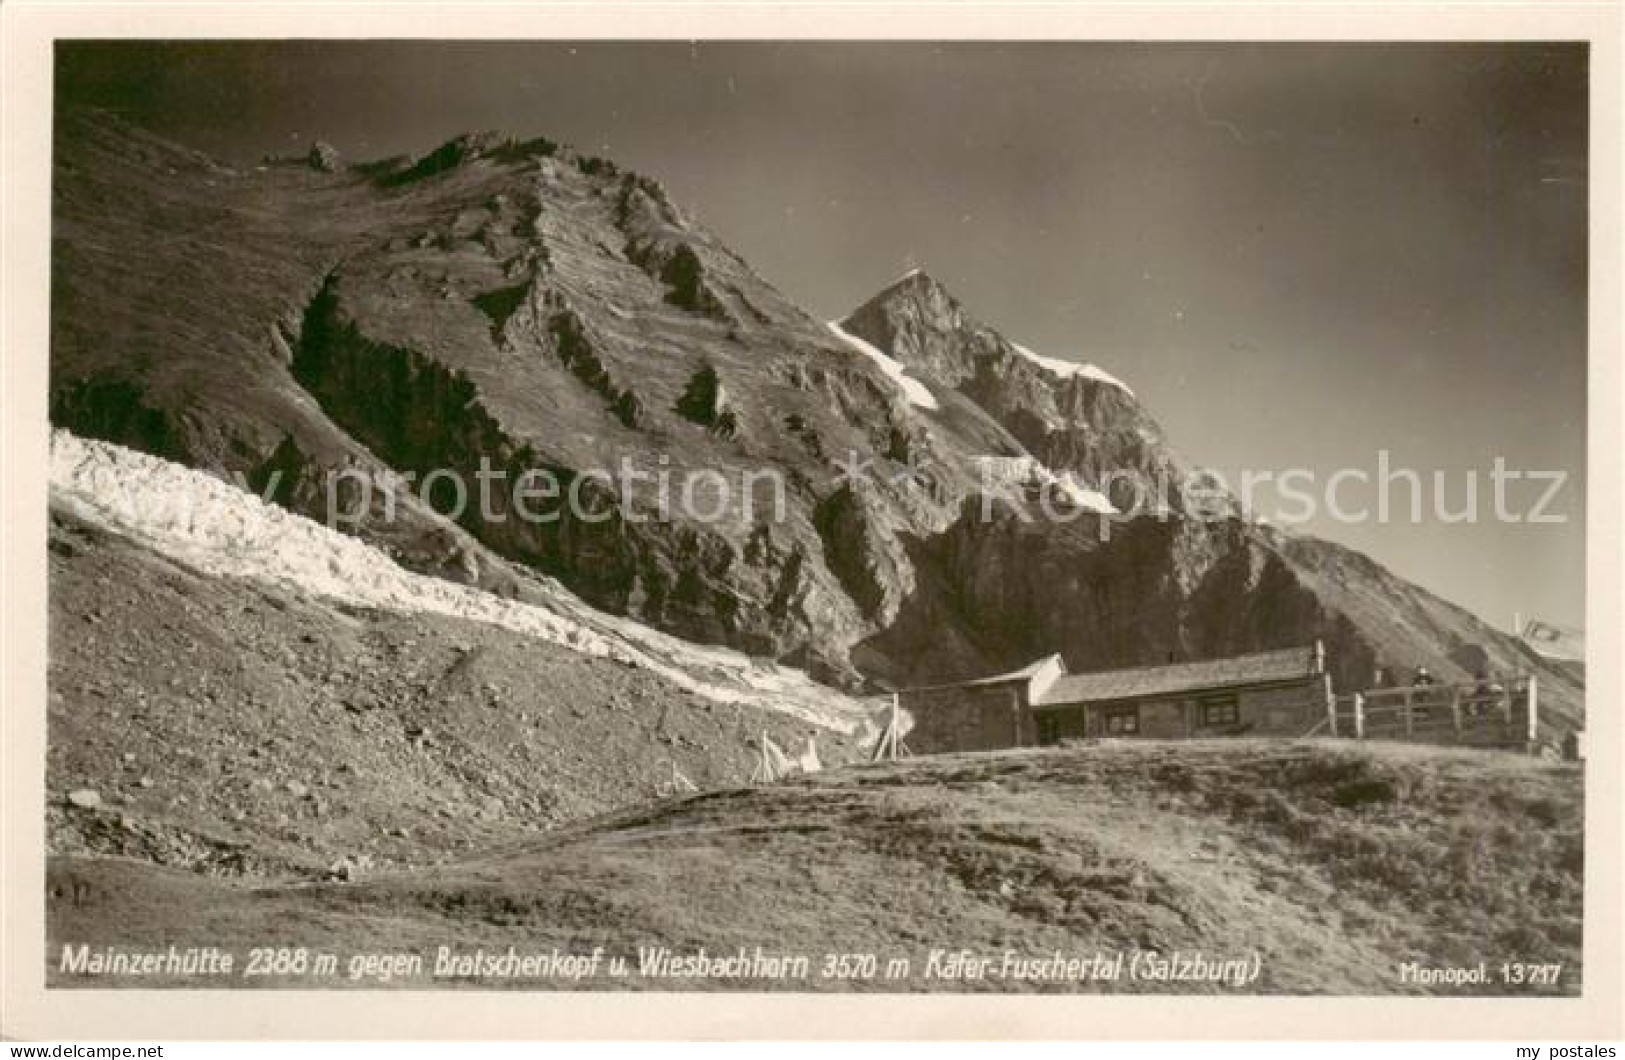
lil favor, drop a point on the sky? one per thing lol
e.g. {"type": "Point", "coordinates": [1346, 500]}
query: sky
{"type": "Point", "coordinates": [1298, 255]}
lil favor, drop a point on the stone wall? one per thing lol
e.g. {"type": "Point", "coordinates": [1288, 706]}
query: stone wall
{"type": "Point", "coordinates": [966, 718]}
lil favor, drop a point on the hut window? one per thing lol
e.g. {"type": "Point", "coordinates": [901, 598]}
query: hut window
{"type": "Point", "coordinates": [1220, 710]}
{"type": "Point", "coordinates": [1122, 721]}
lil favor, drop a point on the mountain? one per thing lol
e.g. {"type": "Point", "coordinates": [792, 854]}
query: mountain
{"type": "Point", "coordinates": [512, 302]}
{"type": "Point", "coordinates": [515, 308]}
{"type": "Point", "coordinates": [1190, 577]}
{"type": "Point", "coordinates": [1075, 419]}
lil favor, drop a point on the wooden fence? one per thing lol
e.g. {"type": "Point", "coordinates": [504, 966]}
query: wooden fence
{"type": "Point", "coordinates": [1502, 713]}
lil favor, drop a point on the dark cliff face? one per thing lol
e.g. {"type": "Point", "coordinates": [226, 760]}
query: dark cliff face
{"type": "Point", "coordinates": [519, 307]}
{"type": "Point", "coordinates": [1071, 418]}
{"type": "Point", "coordinates": [1150, 590]}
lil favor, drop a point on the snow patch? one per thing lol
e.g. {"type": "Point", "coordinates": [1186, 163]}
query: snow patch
{"type": "Point", "coordinates": [221, 530]}
{"type": "Point", "coordinates": [915, 391]}
{"type": "Point", "coordinates": [1068, 369]}
{"type": "Point", "coordinates": [1005, 474]}
{"type": "Point", "coordinates": [1084, 496]}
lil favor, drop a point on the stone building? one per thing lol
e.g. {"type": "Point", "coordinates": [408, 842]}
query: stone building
{"type": "Point", "coordinates": [1272, 693]}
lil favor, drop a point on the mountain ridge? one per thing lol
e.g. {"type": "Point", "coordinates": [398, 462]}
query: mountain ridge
{"type": "Point", "coordinates": [521, 303]}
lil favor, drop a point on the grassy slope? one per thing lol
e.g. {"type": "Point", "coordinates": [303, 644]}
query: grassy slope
{"type": "Point", "coordinates": [1336, 862]}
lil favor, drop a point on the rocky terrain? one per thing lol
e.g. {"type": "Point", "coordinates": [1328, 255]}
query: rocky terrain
{"type": "Point", "coordinates": [246, 726]}
{"type": "Point", "coordinates": [217, 529]}
{"type": "Point", "coordinates": [518, 305]}
{"type": "Point", "coordinates": [404, 722]}
{"type": "Point", "coordinates": [1331, 864]}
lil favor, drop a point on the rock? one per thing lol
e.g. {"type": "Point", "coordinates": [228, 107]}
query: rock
{"type": "Point", "coordinates": [296, 789]}
{"type": "Point", "coordinates": [704, 400]}
{"type": "Point", "coordinates": [324, 157]}
{"type": "Point", "coordinates": [85, 798]}
{"type": "Point", "coordinates": [864, 552]}
{"type": "Point", "coordinates": [145, 782]}
{"type": "Point", "coordinates": [350, 868]}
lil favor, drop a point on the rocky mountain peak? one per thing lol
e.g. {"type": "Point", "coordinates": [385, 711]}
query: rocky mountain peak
{"type": "Point", "coordinates": [462, 150]}
{"type": "Point", "coordinates": [914, 291]}
{"type": "Point", "coordinates": [916, 283]}
{"type": "Point", "coordinates": [1073, 418]}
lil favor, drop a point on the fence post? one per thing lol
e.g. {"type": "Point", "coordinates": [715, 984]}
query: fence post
{"type": "Point", "coordinates": [1534, 714]}
{"type": "Point", "coordinates": [1331, 705]}
{"type": "Point", "coordinates": [1410, 719]}
{"type": "Point", "coordinates": [1455, 710]}
{"type": "Point", "coordinates": [1359, 715]}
